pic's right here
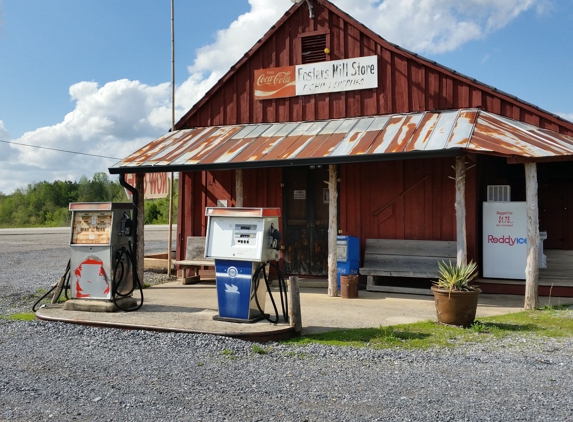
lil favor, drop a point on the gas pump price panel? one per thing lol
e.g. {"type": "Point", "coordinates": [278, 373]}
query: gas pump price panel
{"type": "Point", "coordinates": [241, 242]}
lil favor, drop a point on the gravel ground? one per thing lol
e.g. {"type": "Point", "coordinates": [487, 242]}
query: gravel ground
{"type": "Point", "coordinates": [64, 372]}
{"type": "Point", "coordinates": [56, 371]}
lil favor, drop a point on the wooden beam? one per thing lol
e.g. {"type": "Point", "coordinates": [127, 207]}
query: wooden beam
{"type": "Point", "coordinates": [462, 253]}
{"type": "Point", "coordinates": [140, 239]}
{"type": "Point", "coordinates": [170, 220]}
{"type": "Point", "coordinates": [238, 188]}
{"type": "Point", "coordinates": [552, 159]}
{"type": "Point", "coordinates": [294, 314]}
{"type": "Point", "coordinates": [332, 230]}
{"type": "Point", "coordinates": [532, 266]}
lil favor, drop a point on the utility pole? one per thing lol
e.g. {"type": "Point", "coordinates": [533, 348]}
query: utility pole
{"type": "Point", "coordinates": [170, 236]}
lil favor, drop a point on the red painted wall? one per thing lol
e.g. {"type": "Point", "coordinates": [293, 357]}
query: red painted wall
{"type": "Point", "coordinates": [405, 200]}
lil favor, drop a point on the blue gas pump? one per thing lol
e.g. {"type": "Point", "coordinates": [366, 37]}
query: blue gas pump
{"type": "Point", "coordinates": [243, 242]}
{"type": "Point", "coordinates": [347, 256]}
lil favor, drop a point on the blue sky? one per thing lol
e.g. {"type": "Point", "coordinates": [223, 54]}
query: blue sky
{"type": "Point", "coordinates": [93, 76]}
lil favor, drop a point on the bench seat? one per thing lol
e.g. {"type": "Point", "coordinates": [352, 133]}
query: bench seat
{"type": "Point", "coordinates": [404, 258]}
{"type": "Point", "coordinates": [194, 259]}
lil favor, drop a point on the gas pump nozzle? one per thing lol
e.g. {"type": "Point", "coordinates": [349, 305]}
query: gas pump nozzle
{"type": "Point", "coordinates": [275, 238]}
{"type": "Point", "coordinates": [126, 225]}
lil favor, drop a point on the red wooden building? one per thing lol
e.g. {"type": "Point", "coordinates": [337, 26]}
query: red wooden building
{"type": "Point", "coordinates": [321, 89]}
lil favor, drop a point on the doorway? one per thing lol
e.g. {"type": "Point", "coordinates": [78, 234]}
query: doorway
{"type": "Point", "coordinates": [553, 201]}
{"type": "Point", "coordinates": [306, 221]}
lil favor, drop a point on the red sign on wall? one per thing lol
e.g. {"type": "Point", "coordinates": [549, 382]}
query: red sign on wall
{"type": "Point", "coordinates": [155, 185]}
{"type": "Point", "coordinates": [279, 82]}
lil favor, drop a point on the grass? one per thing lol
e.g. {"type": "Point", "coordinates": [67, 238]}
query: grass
{"type": "Point", "coordinates": [547, 322]}
{"type": "Point", "coordinates": [22, 316]}
{"type": "Point", "coordinates": [260, 350]}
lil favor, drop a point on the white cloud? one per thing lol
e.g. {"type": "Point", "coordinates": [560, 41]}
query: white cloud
{"type": "Point", "coordinates": [121, 116]}
{"type": "Point", "coordinates": [112, 121]}
{"type": "Point", "coordinates": [437, 26]}
{"type": "Point", "coordinates": [4, 135]}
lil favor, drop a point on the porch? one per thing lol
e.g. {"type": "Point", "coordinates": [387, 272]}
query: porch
{"type": "Point", "coordinates": [555, 280]}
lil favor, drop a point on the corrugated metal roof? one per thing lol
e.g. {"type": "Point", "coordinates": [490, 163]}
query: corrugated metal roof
{"type": "Point", "coordinates": [345, 140]}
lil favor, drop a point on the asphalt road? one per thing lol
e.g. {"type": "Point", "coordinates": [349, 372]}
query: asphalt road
{"type": "Point", "coordinates": [37, 238]}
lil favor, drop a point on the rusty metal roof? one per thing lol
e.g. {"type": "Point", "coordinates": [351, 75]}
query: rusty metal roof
{"type": "Point", "coordinates": [377, 138]}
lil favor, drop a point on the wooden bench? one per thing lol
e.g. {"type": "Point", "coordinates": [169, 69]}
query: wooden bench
{"type": "Point", "coordinates": [404, 258]}
{"type": "Point", "coordinates": [194, 259]}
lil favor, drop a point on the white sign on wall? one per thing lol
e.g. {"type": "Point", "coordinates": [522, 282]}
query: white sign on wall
{"type": "Point", "coordinates": [504, 240]}
{"type": "Point", "coordinates": [337, 76]}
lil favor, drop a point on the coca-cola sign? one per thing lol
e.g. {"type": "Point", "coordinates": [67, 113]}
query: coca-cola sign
{"type": "Point", "coordinates": [279, 82]}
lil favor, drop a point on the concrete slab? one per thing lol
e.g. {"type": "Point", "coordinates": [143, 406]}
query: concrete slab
{"type": "Point", "coordinates": [100, 305]}
{"type": "Point", "coordinates": [190, 308]}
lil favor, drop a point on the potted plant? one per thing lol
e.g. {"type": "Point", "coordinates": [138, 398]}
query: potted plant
{"type": "Point", "coordinates": [456, 299]}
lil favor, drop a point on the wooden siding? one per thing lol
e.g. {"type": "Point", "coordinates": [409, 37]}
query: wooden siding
{"type": "Point", "coordinates": [407, 82]}
{"type": "Point", "coordinates": [404, 200]}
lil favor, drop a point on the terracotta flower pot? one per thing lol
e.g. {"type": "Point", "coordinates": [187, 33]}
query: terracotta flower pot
{"type": "Point", "coordinates": [456, 307]}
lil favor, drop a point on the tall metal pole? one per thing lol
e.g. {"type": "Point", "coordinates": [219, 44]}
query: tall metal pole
{"type": "Point", "coordinates": [170, 237]}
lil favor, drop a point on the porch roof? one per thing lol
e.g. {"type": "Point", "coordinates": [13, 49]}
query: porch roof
{"type": "Point", "coordinates": [360, 139]}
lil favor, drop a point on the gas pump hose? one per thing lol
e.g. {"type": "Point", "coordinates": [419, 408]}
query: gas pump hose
{"type": "Point", "coordinates": [65, 287]}
{"type": "Point", "coordinates": [282, 293]}
{"type": "Point", "coordinates": [119, 265]}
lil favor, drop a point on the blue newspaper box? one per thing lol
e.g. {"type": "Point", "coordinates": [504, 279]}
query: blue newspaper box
{"type": "Point", "coordinates": [347, 256]}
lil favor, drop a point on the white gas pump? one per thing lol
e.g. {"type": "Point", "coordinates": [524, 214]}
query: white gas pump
{"type": "Point", "coordinates": [243, 241]}
{"type": "Point", "coordinates": [102, 264]}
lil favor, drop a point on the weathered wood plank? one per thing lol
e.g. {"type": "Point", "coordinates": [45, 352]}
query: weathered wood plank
{"type": "Point", "coordinates": [532, 266]}
{"type": "Point", "coordinates": [332, 230]}
{"type": "Point", "coordinates": [294, 309]}
{"type": "Point", "coordinates": [396, 289]}
{"type": "Point", "coordinates": [462, 250]}
{"type": "Point", "coordinates": [435, 248]}
{"type": "Point", "coordinates": [195, 263]}
{"type": "Point", "coordinates": [195, 248]}
{"type": "Point", "coordinates": [398, 273]}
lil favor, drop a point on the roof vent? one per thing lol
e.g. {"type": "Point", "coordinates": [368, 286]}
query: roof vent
{"type": "Point", "coordinates": [498, 193]}
{"type": "Point", "coordinates": [313, 48]}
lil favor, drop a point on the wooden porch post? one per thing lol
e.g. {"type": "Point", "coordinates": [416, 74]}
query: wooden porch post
{"type": "Point", "coordinates": [462, 255]}
{"type": "Point", "coordinates": [332, 230]}
{"type": "Point", "coordinates": [532, 266]}
{"type": "Point", "coordinates": [140, 241]}
{"type": "Point", "coordinates": [238, 188]}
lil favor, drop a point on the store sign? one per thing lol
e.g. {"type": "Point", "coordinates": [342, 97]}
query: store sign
{"type": "Point", "coordinates": [155, 185]}
{"type": "Point", "coordinates": [317, 78]}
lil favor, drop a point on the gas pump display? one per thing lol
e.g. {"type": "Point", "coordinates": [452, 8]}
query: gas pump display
{"type": "Point", "coordinates": [91, 228]}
